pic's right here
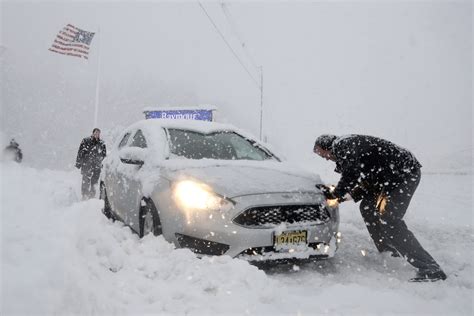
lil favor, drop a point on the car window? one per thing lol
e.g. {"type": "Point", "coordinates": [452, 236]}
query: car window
{"type": "Point", "coordinates": [244, 149]}
{"type": "Point", "coordinates": [225, 145]}
{"type": "Point", "coordinates": [124, 140]}
{"type": "Point", "coordinates": [138, 140]}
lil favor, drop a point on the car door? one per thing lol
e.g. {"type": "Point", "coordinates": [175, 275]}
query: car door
{"type": "Point", "coordinates": [111, 169]}
{"type": "Point", "coordinates": [128, 187]}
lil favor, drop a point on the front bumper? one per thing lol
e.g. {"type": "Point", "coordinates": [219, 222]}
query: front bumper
{"type": "Point", "coordinates": [217, 233]}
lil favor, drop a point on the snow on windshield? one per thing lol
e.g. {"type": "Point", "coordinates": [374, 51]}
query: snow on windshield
{"type": "Point", "coordinates": [225, 145]}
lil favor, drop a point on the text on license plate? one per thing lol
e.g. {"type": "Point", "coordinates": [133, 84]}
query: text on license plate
{"type": "Point", "coordinates": [291, 238]}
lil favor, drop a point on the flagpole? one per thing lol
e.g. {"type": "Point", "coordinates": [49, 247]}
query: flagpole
{"type": "Point", "coordinates": [96, 107]}
{"type": "Point", "coordinates": [261, 103]}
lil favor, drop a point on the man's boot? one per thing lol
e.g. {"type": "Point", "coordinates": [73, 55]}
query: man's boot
{"type": "Point", "coordinates": [429, 276]}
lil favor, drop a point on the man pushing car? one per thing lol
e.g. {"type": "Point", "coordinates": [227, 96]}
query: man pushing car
{"type": "Point", "coordinates": [384, 176]}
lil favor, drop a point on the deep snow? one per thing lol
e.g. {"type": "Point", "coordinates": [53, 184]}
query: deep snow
{"type": "Point", "coordinates": [61, 256]}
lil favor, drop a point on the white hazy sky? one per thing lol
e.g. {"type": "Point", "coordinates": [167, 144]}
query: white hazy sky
{"type": "Point", "coordinates": [400, 70]}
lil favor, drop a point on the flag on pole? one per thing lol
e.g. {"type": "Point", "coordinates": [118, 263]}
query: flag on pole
{"type": "Point", "coordinates": [72, 41]}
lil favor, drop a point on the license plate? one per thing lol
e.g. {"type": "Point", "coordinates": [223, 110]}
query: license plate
{"type": "Point", "coordinates": [290, 239]}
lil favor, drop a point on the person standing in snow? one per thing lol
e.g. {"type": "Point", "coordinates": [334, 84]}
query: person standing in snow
{"type": "Point", "coordinates": [384, 176]}
{"type": "Point", "coordinates": [13, 152]}
{"type": "Point", "coordinates": [89, 159]}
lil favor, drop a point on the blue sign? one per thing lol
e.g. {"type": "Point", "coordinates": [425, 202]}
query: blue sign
{"type": "Point", "coordinates": [200, 114]}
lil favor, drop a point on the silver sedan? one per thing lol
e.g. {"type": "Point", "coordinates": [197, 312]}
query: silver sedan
{"type": "Point", "coordinates": [212, 188]}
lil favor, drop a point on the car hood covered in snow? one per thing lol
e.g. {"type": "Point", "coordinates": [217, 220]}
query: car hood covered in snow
{"type": "Point", "coordinates": [237, 178]}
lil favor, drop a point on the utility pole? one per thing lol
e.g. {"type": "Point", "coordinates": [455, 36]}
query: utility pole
{"type": "Point", "coordinates": [97, 81]}
{"type": "Point", "coordinates": [261, 103]}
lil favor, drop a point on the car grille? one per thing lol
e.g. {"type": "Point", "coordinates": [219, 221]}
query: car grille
{"type": "Point", "coordinates": [275, 215]}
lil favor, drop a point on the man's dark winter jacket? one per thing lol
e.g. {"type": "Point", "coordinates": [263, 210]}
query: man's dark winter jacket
{"type": "Point", "coordinates": [91, 153]}
{"type": "Point", "coordinates": [370, 165]}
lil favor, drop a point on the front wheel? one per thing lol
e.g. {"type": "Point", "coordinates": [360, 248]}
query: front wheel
{"type": "Point", "coordinates": [149, 219]}
{"type": "Point", "coordinates": [107, 210]}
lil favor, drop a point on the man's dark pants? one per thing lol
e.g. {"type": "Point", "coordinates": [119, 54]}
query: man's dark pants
{"type": "Point", "coordinates": [90, 178]}
{"type": "Point", "coordinates": [387, 227]}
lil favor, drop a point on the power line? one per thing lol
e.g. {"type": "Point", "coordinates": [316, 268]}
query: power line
{"type": "Point", "coordinates": [233, 27]}
{"type": "Point", "coordinates": [228, 45]}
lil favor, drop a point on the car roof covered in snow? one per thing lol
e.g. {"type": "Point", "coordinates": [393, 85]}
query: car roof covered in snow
{"type": "Point", "coordinates": [192, 125]}
{"type": "Point", "coordinates": [152, 128]}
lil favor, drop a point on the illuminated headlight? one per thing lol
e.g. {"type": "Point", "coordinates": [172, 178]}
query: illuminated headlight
{"type": "Point", "coordinates": [332, 203]}
{"type": "Point", "coordinates": [195, 196]}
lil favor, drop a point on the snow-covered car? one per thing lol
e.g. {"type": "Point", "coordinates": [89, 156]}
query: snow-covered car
{"type": "Point", "coordinates": [214, 189]}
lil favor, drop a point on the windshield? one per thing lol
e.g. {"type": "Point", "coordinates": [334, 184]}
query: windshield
{"type": "Point", "coordinates": [220, 145]}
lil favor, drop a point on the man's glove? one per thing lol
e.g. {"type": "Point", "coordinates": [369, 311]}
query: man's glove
{"type": "Point", "coordinates": [78, 165]}
{"type": "Point", "coordinates": [358, 193]}
{"type": "Point", "coordinates": [327, 191]}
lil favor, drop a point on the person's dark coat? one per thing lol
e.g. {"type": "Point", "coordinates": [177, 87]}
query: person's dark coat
{"type": "Point", "coordinates": [13, 150]}
{"type": "Point", "coordinates": [90, 154]}
{"type": "Point", "coordinates": [369, 165]}
{"type": "Point", "coordinates": [385, 177]}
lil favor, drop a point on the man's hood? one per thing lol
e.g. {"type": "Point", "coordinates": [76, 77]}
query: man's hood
{"type": "Point", "coordinates": [239, 178]}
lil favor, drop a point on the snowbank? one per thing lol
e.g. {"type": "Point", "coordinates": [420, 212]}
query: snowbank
{"type": "Point", "coordinates": [60, 255]}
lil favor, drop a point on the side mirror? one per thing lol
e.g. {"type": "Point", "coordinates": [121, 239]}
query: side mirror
{"type": "Point", "coordinates": [132, 161]}
{"type": "Point", "coordinates": [133, 155]}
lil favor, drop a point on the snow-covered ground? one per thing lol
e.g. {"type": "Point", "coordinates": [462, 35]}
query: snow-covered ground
{"type": "Point", "coordinates": [61, 256]}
